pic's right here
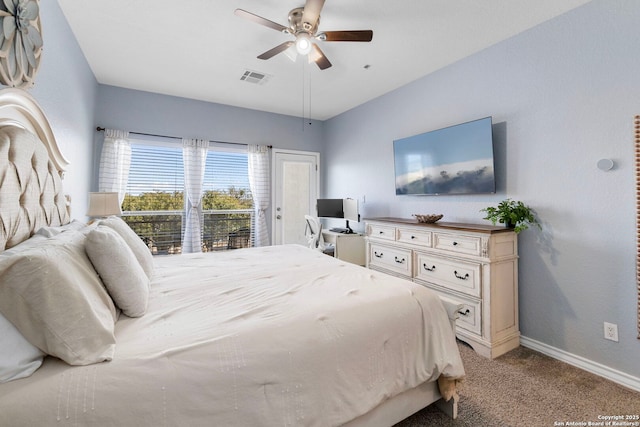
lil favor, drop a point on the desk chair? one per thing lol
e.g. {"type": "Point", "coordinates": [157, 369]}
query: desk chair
{"type": "Point", "coordinates": [313, 232]}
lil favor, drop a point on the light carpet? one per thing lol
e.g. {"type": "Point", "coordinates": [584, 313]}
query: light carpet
{"type": "Point", "coordinates": [527, 388]}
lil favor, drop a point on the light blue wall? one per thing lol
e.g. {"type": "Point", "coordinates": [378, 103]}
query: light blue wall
{"type": "Point", "coordinates": [66, 89]}
{"type": "Point", "coordinates": [168, 115]}
{"type": "Point", "coordinates": [562, 95]}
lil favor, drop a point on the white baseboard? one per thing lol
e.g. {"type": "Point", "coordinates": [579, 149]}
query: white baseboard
{"type": "Point", "coordinates": [614, 375]}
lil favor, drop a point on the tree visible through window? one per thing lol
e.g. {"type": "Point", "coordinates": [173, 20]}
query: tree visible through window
{"type": "Point", "coordinates": [154, 202]}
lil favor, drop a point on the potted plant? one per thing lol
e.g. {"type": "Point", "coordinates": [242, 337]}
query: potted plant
{"type": "Point", "coordinates": [512, 213]}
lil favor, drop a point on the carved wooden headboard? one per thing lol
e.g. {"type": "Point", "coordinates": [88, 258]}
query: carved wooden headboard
{"type": "Point", "coordinates": [31, 170]}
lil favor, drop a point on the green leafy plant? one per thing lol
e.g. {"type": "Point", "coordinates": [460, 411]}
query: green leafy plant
{"type": "Point", "coordinates": [514, 214]}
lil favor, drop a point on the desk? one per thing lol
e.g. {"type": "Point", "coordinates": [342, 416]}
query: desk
{"type": "Point", "coordinates": [348, 247]}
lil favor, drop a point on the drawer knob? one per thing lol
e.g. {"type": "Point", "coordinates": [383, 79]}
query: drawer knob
{"type": "Point", "coordinates": [455, 243]}
{"type": "Point", "coordinates": [464, 313]}
{"type": "Point", "coordinates": [400, 261]}
{"type": "Point", "coordinates": [465, 277]}
{"type": "Point", "coordinates": [380, 232]}
{"type": "Point", "coordinates": [377, 255]}
{"type": "Point", "coordinates": [413, 237]}
{"type": "Point", "coordinates": [433, 267]}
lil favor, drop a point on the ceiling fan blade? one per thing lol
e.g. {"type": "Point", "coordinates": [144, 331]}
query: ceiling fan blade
{"type": "Point", "coordinates": [316, 55]}
{"type": "Point", "coordinates": [311, 13]}
{"type": "Point", "coordinates": [347, 36]}
{"type": "Point", "coordinates": [260, 20]}
{"type": "Point", "coordinates": [276, 50]}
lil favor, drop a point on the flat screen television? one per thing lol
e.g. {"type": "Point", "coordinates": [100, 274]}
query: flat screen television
{"type": "Point", "coordinates": [453, 160]}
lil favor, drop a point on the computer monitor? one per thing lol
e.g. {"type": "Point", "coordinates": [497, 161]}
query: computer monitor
{"type": "Point", "coordinates": [350, 209]}
{"type": "Point", "coordinates": [339, 208]}
{"type": "Point", "coordinates": [330, 208]}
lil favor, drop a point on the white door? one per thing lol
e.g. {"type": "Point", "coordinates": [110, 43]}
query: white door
{"type": "Point", "coordinates": [296, 185]}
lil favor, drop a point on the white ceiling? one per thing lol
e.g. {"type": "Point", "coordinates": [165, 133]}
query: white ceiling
{"type": "Point", "coordinates": [199, 49]}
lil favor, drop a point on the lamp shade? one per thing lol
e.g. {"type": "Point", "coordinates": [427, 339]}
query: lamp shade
{"type": "Point", "coordinates": [104, 204]}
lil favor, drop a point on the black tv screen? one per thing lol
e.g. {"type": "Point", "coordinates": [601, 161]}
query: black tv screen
{"type": "Point", "coordinates": [452, 160]}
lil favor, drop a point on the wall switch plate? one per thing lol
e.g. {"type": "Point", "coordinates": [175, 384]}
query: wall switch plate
{"type": "Point", "coordinates": [611, 331]}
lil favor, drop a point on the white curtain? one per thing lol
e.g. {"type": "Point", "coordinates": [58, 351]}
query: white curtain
{"type": "Point", "coordinates": [194, 157]}
{"type": "Point", "coordinates": [114, 162]}
{"type": "Point", "coordinates": [260, 190]}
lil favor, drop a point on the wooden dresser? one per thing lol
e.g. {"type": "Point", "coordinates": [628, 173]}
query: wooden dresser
{"type": "Point", "coordinates": [470, 264]}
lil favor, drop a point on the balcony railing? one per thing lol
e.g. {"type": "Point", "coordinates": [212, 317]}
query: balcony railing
{"type": "Point", "coordinates": [162, 230]}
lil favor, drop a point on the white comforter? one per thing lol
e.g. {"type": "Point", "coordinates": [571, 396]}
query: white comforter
{"type": "Point", "coordinates": [277, 336]}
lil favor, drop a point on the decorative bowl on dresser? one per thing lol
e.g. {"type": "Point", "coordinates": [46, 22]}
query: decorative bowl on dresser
{"type": "Point", "coordinates": [429, 219]}
{"type": "Point", "coordinates": [470, 264]}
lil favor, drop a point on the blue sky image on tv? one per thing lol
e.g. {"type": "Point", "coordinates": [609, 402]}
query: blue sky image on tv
{"type": "Point", "coordinates": [453, 160]}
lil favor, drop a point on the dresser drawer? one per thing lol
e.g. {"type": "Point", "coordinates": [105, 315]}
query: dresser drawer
{"type": "Point", "coordinates": [469, 245]}
{"type": "Point", "coordinates": [453, 274]}
{"type": "Point", "coordinates": [470, 314]}
{"type": "Point", "coordinates": [382, 232]}
{"type": "Point", "coordinates": [396, 259]}
{"type": "Point", "coordinates": [413, 236]}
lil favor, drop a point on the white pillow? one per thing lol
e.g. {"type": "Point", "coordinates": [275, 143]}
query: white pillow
{"type": "Point", "coordinates": [18, 357]}
{"type": "Point", "coordinates": [140, 250]}
{"type": "Point", "coordinates": [51, 293]}
{"type": "Point", "coordinates": [119, 270]}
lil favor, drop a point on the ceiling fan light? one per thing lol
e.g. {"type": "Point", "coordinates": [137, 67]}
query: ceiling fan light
{"type": "Point", "coordinates": [303, 44]}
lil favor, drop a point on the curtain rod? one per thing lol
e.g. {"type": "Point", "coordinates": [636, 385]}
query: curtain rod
{"type": "Point", "coordinates": [100, 129]}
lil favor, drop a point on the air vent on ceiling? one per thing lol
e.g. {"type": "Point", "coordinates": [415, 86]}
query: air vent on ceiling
{"type": "Point", "coordinates": [254, 77]}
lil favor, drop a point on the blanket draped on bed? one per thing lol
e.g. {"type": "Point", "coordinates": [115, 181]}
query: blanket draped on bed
{"type": "Point", "coordinates": [274, 336]}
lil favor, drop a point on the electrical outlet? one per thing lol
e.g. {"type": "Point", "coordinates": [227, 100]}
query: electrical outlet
{"type": "Point", "coordinates": [611, 331]}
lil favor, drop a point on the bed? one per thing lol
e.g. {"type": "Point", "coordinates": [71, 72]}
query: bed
{"type": "Point", "coordinates": [280, 335]}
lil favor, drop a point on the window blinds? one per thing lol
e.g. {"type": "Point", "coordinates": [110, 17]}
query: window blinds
{"type": "Point", "coordinates": [158, 173]}
{"type": "Point", "coordinates": [154, 202]}
{"type": "Point", "coordinates": [227, 172]}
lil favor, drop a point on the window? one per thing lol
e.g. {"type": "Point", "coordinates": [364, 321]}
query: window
{"type": "Point", "coordinates": [226, 202]}
{"type": "Point", "coordinates": [224, 186]}
{"type": "Point", "coordinates": [154, 202]}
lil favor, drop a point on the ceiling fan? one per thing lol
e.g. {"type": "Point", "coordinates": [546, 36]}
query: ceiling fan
{"type": "Point", "coordinates": [303, 25]}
